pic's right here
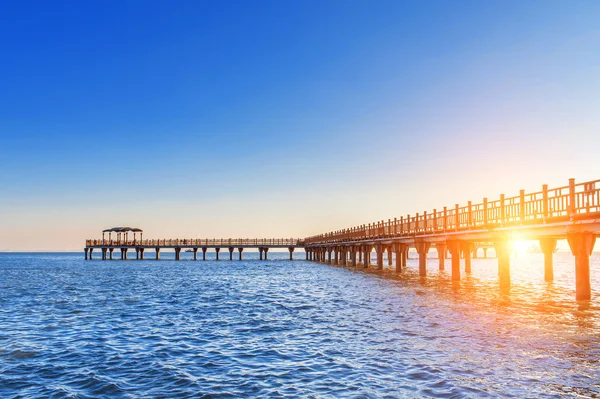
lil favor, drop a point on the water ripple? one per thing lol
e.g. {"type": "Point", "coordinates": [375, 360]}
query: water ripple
{"type": "Point", "coordinates": [280, 329]}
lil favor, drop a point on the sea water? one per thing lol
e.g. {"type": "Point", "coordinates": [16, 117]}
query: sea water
{"type": "Point", "coordinates": [71, 328]}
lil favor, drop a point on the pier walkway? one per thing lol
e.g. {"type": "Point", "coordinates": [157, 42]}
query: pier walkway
{"type": "Point", "coordinates": [571, 212]}
{"type": "Point", "coordinates": [123, 243]}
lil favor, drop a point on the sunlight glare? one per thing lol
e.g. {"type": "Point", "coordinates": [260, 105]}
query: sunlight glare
{"type": "Point", "coordinates": [524, 246]}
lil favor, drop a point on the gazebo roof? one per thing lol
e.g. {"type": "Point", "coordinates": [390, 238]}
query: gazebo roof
{"type": "Point", "coordinates": [122, 230]}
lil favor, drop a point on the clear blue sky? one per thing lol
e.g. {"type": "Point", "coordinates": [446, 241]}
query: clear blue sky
{"type": "Point", "coordinates": [282, 118]}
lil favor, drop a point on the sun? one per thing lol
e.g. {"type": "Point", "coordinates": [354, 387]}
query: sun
{"type": "Point", "coordinates": [520, 246]}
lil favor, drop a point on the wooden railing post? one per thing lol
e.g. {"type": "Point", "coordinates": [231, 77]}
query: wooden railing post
{"type": "Point", "coordinates": [457, 217]}
{"type": "Point", "coordinates": [434, 224]}
{"type": "Point", "coordinates": [572, 209]}
{"type": "Point", "coordinates": [545, 202]}
{"type": "Point", "coordinates": [485, 213]}
{"type": "Point", "coordinates": [416, 223]}
{"type": "Point", "coordinates": [502, 209]}
{"type": "Point", "coordinates": [470, 217]}
{"type": "Point", "coordinates": [445, 218]}
{"type": "Point", "coordinates": [522, 206]}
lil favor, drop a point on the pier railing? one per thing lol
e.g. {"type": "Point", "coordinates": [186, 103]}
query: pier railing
{"type": "Point", "coordinates": [200, 242]}
{"type": "Point", "coordinates": [568, 203]}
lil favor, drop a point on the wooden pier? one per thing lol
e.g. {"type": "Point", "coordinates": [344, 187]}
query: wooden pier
{"type": "Point", "coordinates": [123, 243]}
{"type": "Point", "coordinates": [571, 212]}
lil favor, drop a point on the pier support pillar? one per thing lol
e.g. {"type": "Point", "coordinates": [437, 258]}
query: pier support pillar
{"type": "Point", "coordinates": [379, 250]}
{"type": "Point", "coordinates": [467, 248]}
{"type": "Point", "coordinates": [353, 255]}
{"type": "Point", "coordinates": [240, 250]}
{"type": "Point", "coordinates": [291, 249]}
{"type": "Point", "coordinates": [398, 250]}
{"type": "Point", "coordinates": [367, 257]}
{"type": "Point", "coordinates": [475, 249]}
{"type": "Point", "coordinates": [217, 250]}
{"type": "Point", "coordinates": [177, 253]}
{"type": "Point", "coordinates": [422, 249]}
{"type": "Point", "coordinates": [204, 249]}
{"type": "Point", "coordinates": [441, 250]}
{"type": "Point", "coordinates": [454, 249]}
{"type": "Point", "coordinates": [91, 252]}
{"type": "Point", "coordinates": [485, 253]}
{"type": "Point", "coordinates": [195, 253]}
{"type": "Point", "coordinates": [503, 250]}
{"type": "Point", "coordinates": [137, 254]}
{"type": "Point", "coordinates": [266, 253]}
{"type": "Point", "coordinates": [405, 255]}
{"type": "Point", "coordinates": [329, 255]}
{"type": "Point", "coordinates": [582, 245]}
{"type": "Point", "coordinates": [86, 253]}
{"type": "Point", "coordinates": [231, 253]}
{"type": "Point", "coordinates": [110, 252]}
{"type": "Point", "coordinates": [360, 255]}
{"type": "Point", "coordinates": [335, 256]}
{"type": "Point", "coordinates": [141, 253]}
{"type": "Point", "coordinates": [260, 251]}
{"type": "Point", "coordinates": [344, 256]}
{"type": "Point", "coordinates": [104, 253]}
{"type": "Point", "coordinates": [157, 254]}
{"type": "Point", "coordinates": [548, 246]}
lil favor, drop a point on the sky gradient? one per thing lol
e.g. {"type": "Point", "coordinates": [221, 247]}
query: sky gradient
{"type": "Point", "coordinates": [284, 119]}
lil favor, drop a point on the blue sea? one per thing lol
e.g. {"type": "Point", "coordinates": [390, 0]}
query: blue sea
{"type": "Point", "coordinates": [71, 328]}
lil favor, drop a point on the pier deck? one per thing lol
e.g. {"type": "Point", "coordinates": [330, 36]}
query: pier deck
{"type": "Point", "coordinates": [571, 212]}
{"type": "Point", "coordinates": [124, 244]}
